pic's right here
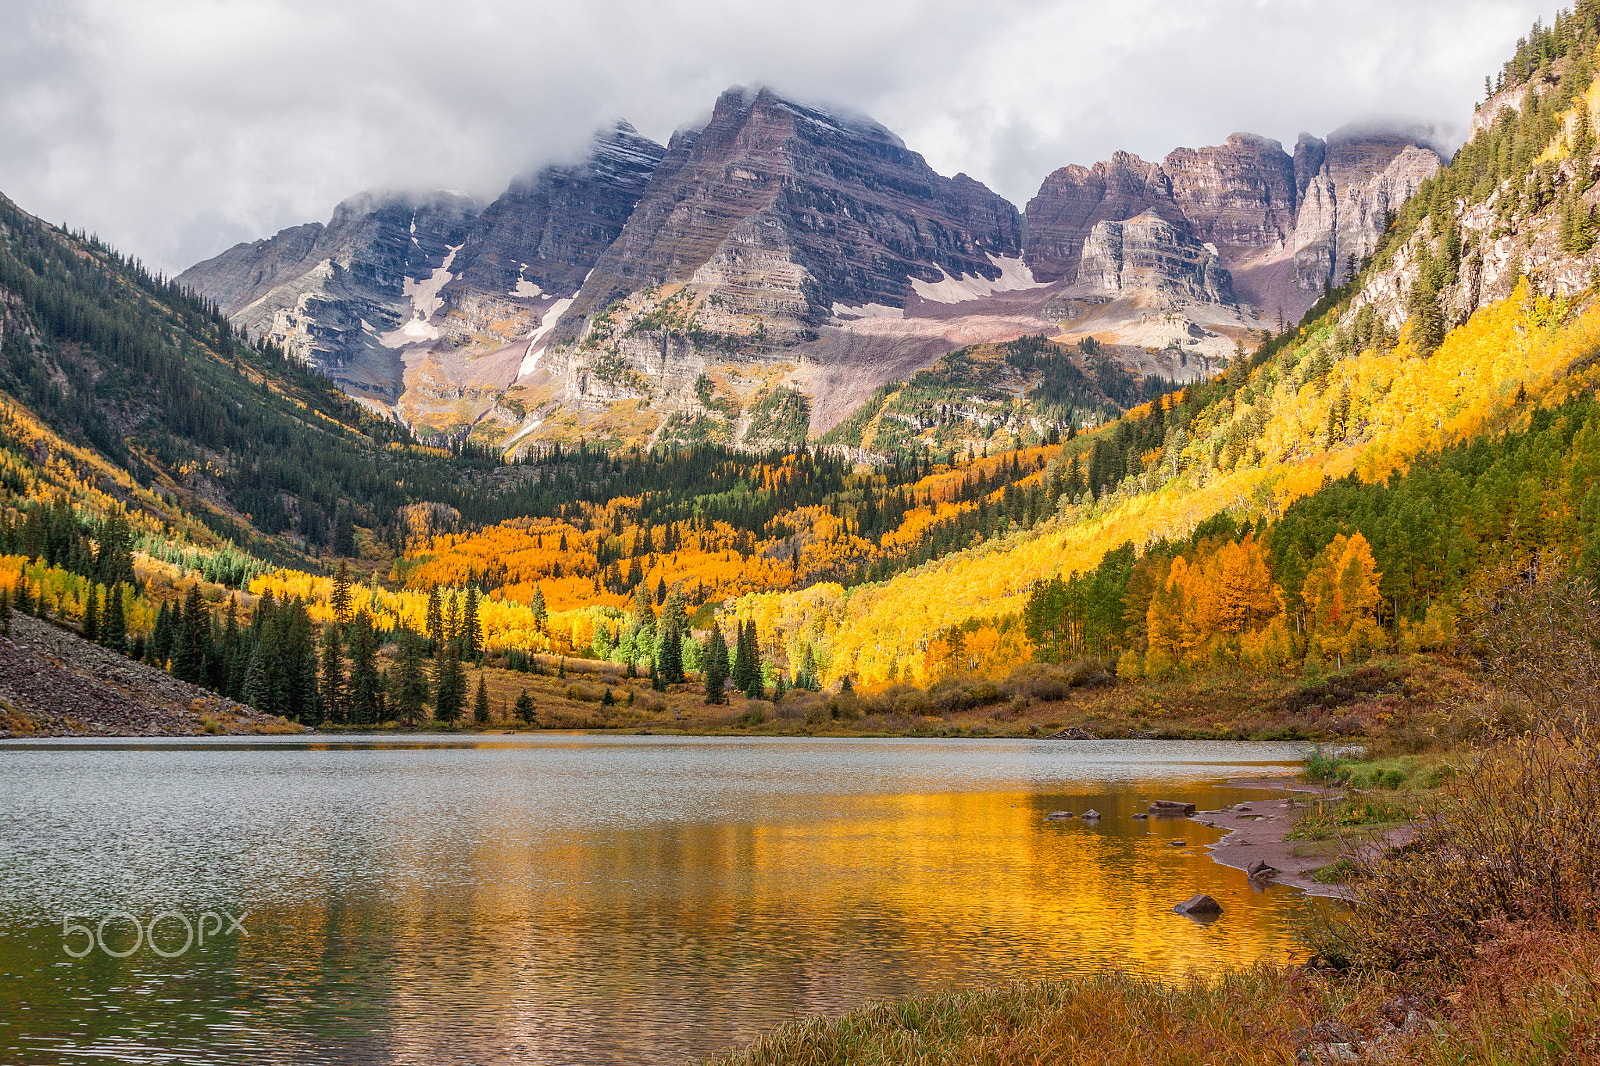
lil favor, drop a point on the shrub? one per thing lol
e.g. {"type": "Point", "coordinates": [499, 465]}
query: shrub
{"type": "Point", "coordinates": [1514, 838]}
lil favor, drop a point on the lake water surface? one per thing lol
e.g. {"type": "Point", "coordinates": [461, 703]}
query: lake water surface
{"type": "Point", "coordinates": [580, 899]}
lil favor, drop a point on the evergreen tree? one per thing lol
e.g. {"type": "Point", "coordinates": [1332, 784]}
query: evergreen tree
{"type": "Point", "coordinates": [715, 666]}
{"type": "Point", "coordinates": [471, 630]}
{"type": "Point", "coordinates": [754, 687]}
{"type": "Point", "coordinates": [655, 678]}
{"type": "Point", "coordinates": [339, 601]}
{"type": "Point", "coordinates": [608, 700]}
{"type": "Point", "coordinates": [449, 685]}
{"type": "Point", "coordinates": [643, 625]}
{"type": "Point", "coordinates": [541, 617]}
{"type": "Point", "coordinates": [744, 667]}
{"type": "Point", "coordinates": [435, 622]}
{"type": "Point", "coordinates": [91, 615]}
{"type": "Point", "coordinates": [189, 638]}
{"type": "Point", "coordinates": [410, 683]}
{"type": "Point", "coordinates": [673, 623]}
{"type": "Point", "coordinates": [19, 597]}
{"type": "Point", "coordinates": [5, 612]}
{"type": "Point", "coordinates": [234, 653]}
{"type": "Point", "coordinates": [334, 700]}
{"type": "Point", "coordinates": [344, 534]}
{"type": "Point", "coordinates": [452, 625]}
{"type": "Point", "coordinates": [161, 638]}
{"type": "Point", "coordinates": [480, 705]}
{"type": "Point", "coordinates": [808, 678]}
{"type": "Point", "coordinates": [114, 626]}
{"type": "Point", "coordinates": [364, 681]}
{"type": "Point", "coordinates": [525, 710]}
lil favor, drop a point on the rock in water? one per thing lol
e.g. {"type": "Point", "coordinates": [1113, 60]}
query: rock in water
{"type": "Point", "coordinates": [1173, 808]}
{"type": "Point", "coordinates": [1059, 816]}
{"type": "Point", "coordinates": [1091, 815]}
{"type": "Point", "coordinates": [1199, 906]}
{"type": "Point", "coordinates": [1260, 871]}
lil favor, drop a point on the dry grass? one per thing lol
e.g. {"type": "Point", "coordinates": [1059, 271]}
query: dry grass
{"type": "Point", "coordinates": [1527, 997]}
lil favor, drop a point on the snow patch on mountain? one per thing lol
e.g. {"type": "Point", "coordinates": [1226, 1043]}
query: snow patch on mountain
{"type": "Point", "coordinates": [536, 339]}
{"type": "Point", "coordinates": [1014, 275]}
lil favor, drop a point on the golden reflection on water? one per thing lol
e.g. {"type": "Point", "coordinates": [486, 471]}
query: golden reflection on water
{"type": "Point", "coordinates": [557, 905]}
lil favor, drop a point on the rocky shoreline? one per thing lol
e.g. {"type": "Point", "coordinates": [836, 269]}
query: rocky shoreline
{"type": "Point", "coordinates": [53, 683]}
{"type": "Point", "coordinates": [1258, 833]}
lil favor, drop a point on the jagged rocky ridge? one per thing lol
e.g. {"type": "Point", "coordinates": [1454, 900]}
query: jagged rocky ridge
{"type": "Point", "coordinates": [783, 256]}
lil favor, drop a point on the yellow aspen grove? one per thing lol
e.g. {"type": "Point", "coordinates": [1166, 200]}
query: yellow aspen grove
{"type": "Point", "coordinates": [1341, 590]}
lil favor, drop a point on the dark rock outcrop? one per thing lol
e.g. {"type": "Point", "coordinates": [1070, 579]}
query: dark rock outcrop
{"type": "Point", "coordinates": [1074, 199]}
{"type": "Point", "coordinates": [783, 210]}
{"type": "Point", "coordinates": [1151, 254]}
{"type": "Point", "coordinates": [1281, 226]}
{"type": "Point", "coordinates": [547, 231]}
{"type": "Point", "coordinates": [329, 293]}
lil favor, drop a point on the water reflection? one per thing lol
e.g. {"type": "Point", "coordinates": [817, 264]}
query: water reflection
{"type": "Point", "coordinates": [578, 899]}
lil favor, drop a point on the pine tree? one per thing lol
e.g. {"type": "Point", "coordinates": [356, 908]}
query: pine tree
{"type": "Point", "coordinates": [435, 622]}
{"type": "Point", "coordinates": [541, 617]}
{"type": "Point", "coordinates": [339, 601]}
{"type": "Point", "coordinates": [525, 710]}
{"type": "Point", "coordinates": [410, 683]}
{"type": "Point", "coordinates": [20, 598]}
{"type": "Point", "coordinates": [471, 630]}
{"type": "Point", "coordinates": [5, 613]}
{"type": "Point", "coordinates": [673, 623]}
{"type": "Point", "coordinates": [344, 534]}
{"type": "Point", "coordinates": [807, 678]}
{"type": "Point", "coordinates": [449, 685]}
{"type": "Point", "coordinates": [91, 615]}
{"type": "Point", "coordinates": [480, 705]}
{"type": "Point", "coordinates": [234, 651]}
{"type": "Point", "coordinates": [452, 625]}
{"type": "Point", "coordinates": [364, 680]}
{"type": "Point", "coordinates": [754, 687]}
{"type": "Point", "coordinates": [334, 699]}
{"type": "Point", "coordinates": [189, 638]}
{"type": "Point", "coordinates": [743, 667]}
{"type": "Point", "coordinates": [114, 626]}
{"type": "Point", "coordinates": [160, 648]}
{"type": "Point", "coordinates": [715, 666]}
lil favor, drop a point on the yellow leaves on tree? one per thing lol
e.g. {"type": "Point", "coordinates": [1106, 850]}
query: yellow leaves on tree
{"type": "Point", "coordinates": [1341, 592]}
{"type": "Point", "coordinates": [1206, 605]}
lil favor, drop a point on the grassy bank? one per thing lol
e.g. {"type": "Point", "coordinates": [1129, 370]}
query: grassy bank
{"type": "Point", "coordinates": [1526, 998]}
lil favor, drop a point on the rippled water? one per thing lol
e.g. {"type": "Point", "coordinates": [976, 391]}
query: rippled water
{"type": "Point", "coordinates": [576, 899]}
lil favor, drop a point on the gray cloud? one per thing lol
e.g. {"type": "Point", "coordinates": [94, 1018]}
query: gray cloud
{"type": "Point", "coordinates": [175, 128]}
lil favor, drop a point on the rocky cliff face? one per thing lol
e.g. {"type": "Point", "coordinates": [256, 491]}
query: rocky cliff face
{"type": "Point", "coordinates": [1074, 199]}
{"type": "Point", "coordinates": [1281, 225]}
{"type": "Point", "coordinates": [782, 211]}
{"type": "Point", "coordinates": [1150, 254]}
{"type": "Point", "coordinates": [547, 231]}
{"type": "Point", "coordinates": [333, 294]}
{"type": "Point", "coordinates": [1346, 201]}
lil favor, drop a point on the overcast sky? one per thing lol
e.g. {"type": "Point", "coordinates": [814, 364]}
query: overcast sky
{"type": "Point", "coordinates": [176, 128]}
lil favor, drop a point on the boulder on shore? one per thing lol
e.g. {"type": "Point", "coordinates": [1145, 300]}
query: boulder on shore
{"type": "Point", "coordinates": [1260, 871]}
